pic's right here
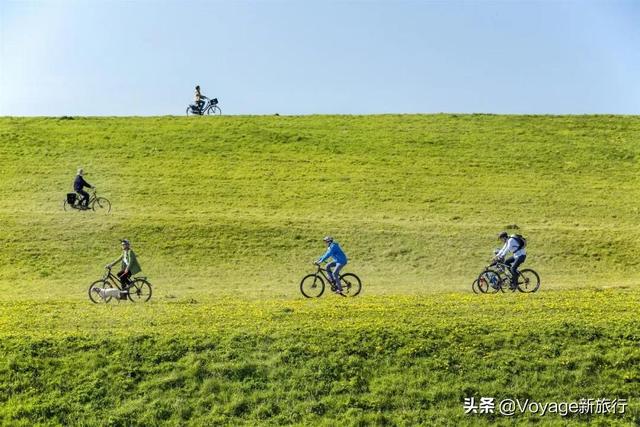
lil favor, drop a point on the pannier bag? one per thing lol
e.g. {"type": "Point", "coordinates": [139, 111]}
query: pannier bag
{"type": "Point", "coordinates": [71, 198]}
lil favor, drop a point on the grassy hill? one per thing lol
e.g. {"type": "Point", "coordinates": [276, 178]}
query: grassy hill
{"type": "Point", "coordinates": [226, 215]}
{"type": "Point", "coordinates": [239, 204]}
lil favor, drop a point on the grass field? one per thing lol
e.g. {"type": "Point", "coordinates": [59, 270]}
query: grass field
{"type": "Point", "coordinates": [226, 215]}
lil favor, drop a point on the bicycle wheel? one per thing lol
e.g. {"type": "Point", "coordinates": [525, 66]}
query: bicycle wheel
{"type": "Point", "coordinates": [189, 111]}
{"type": "Point", "coordinates": [94, 291]}
{"type": "Point", "coordinates": [489, 282]}
{"type": "Point", "coordinates": [312, 286]}
{"type": "Point", "coordinates": [475, 288]}
{"type": "Point", "coordinates": [528, 281]}
{"type": "Point", "coordinates": [214, 110]}
{"type": "Point", "coordinates": [140, 291]}
{"type": "Point", "coordinates": [101, 204]}
{"type": "Point", "coordinates": [351, 285]}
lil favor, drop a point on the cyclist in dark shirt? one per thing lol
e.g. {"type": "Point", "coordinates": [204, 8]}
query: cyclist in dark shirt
{"type": "Point", "coordinates": [78, 186]}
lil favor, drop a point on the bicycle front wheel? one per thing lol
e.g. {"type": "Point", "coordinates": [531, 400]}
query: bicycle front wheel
{"type": "Point", "coordinates": [528, 281]}
{"type": "Point", "coordinates": [214, 110]}
{"type": "Point", "coordinates": [312, 286]}
{"type": "Point", "coordinates": [140, 291]}
{"type": "Point", "coordinates": [351, 285]}
{"type": "Point", "coordinates": [95, 294]}
{"type": "Point", "coordinates": [489, 282]}
{"type": "Point", "coordinates": [475, 288]}
{"type": "Point", "coordinates": [101, 204]}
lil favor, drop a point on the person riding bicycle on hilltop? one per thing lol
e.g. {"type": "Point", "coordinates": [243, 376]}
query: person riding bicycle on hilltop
{"type": "Point", "coordinates": [78, 186]}
{"type": "Point", "coordinates": [198, 98]}
{"type": "Point", "coordinates": [516, 246]}
{"type": "Point", "coordinates": [128, 263]}
{"type": "Point", "coordinates": [339, 261]}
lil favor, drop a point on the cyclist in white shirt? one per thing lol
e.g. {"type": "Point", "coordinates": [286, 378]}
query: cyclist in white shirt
{"type": "Point", "coordinates": [514, 245]}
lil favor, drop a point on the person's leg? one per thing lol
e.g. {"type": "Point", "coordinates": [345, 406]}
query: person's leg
{"type": "Point", "coordinates": [330, 272]}
{"type": "Point", "coordinates": [336, 275]}
{"type": "Point", "coordinates": [514, 269]}
{"type": "Point", "coordinates": [85, 198]}
{"type": "Point", "coordinates": [124, 278]}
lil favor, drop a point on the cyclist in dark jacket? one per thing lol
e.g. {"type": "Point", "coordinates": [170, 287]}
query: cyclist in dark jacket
{"type": "Point", "coordinates": [78, 186]}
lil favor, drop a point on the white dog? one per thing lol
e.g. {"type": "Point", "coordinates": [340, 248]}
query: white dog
{"type": "Point", "coordinates": [107, 292]}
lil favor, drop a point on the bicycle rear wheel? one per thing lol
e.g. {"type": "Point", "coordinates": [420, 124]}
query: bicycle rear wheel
{"type": "Point", "coordinates": [312, 286]}
{"type": "Point", "coordinates": [351, 285]}
{"type": "Point", "coordinates": [101, 204]}
{"type": "Point", "coordinates": [94, 292]}
{"type": "Point", "coordinates": [140, 291]}
{"type": "Point", "coordinates": [528, 281]}
{"type": "Point", "coordinates": [489, 282]}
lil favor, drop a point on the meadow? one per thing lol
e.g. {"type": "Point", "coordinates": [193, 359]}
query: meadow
{"type": "Point", "coordinates": [226, 215]}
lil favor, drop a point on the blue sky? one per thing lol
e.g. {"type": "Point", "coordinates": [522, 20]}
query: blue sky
{"type": "Point", "coordinates": [144, 57]}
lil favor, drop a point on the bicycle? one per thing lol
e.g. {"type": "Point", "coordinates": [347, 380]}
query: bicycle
{"type": "Point", "coordinates": [312, 285]}
{"type": "Point", "coordinates": [73, 201]}
{"type": "Point", "coordinates": [139, 290]}
{"type": "Point", "coordinates": [498, 274]}
{"type": "Point", "coordinates": [211, 109]}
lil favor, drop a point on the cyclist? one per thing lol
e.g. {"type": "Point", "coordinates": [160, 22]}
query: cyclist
{"type": "Point", "coordinates": [339, 261]}
{"type": "Point", "coordinates": [516, 246]}
{"type": "Point", "coordinates": [78, 186]}
{"type": "Point", "coordinates": [128, 264]}
{"type": "Point", "coordinates": [198, 98]}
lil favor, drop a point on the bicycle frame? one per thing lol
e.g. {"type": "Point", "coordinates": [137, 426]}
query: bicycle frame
{"type": "Point", "coordinates": [501, 268]}
{"type": "Point", "coordinates": [324, 273]}
{"type": "Point", "coordinates": [110, 277]}
{"type": "Point", "coordinates": [92, 199]}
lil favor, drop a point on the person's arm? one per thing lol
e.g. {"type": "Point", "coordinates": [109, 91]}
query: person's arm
{"type": "Point", "coordinates": [85, 183]}
{"type": "Point", "coordinates": [126, 258]}
{"type": "Point", "coordinates": [502, 252]}
{"type": "Point", "coordinates": [114, 262]}
{"type": "Point", "coordinates": [326, 255]}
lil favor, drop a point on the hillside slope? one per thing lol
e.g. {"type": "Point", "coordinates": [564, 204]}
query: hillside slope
{"type": "Point", "coordinates": [239, 204]}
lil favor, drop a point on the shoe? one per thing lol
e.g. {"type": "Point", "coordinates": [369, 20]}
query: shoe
{"type": "Point", "coordinates": [339, 292]}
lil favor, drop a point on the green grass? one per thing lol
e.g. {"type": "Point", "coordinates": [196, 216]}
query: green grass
{"type": "Point", "coordinates": [226, 215]}
{"type": "Point", "coordinates": [384, 360]}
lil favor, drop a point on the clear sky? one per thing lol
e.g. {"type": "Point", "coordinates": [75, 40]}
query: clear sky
{"type": "Point", "coordinates": [144, 57]}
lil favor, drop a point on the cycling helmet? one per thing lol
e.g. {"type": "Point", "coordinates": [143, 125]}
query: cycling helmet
{"type": "Point", "coordinates": [198, 87]}
{"type": "Point", "coordinates": [125, 242]}
{"type": "Point", "coordinates": [328, 239]}
{"type": "Point", "coordinates": [503, 235]}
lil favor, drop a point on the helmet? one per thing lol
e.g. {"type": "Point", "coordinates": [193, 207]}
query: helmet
{"type": "Point", "coordinates": [198, 87]}
{"type": "Point", "coordinates": [503, 235]}
{"type": "Point", "coordinates": [328, 239]}
{"type": "Point", "coordinates": [80, 171]}
{"type": "Point", "coordinates": [125, 242]}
